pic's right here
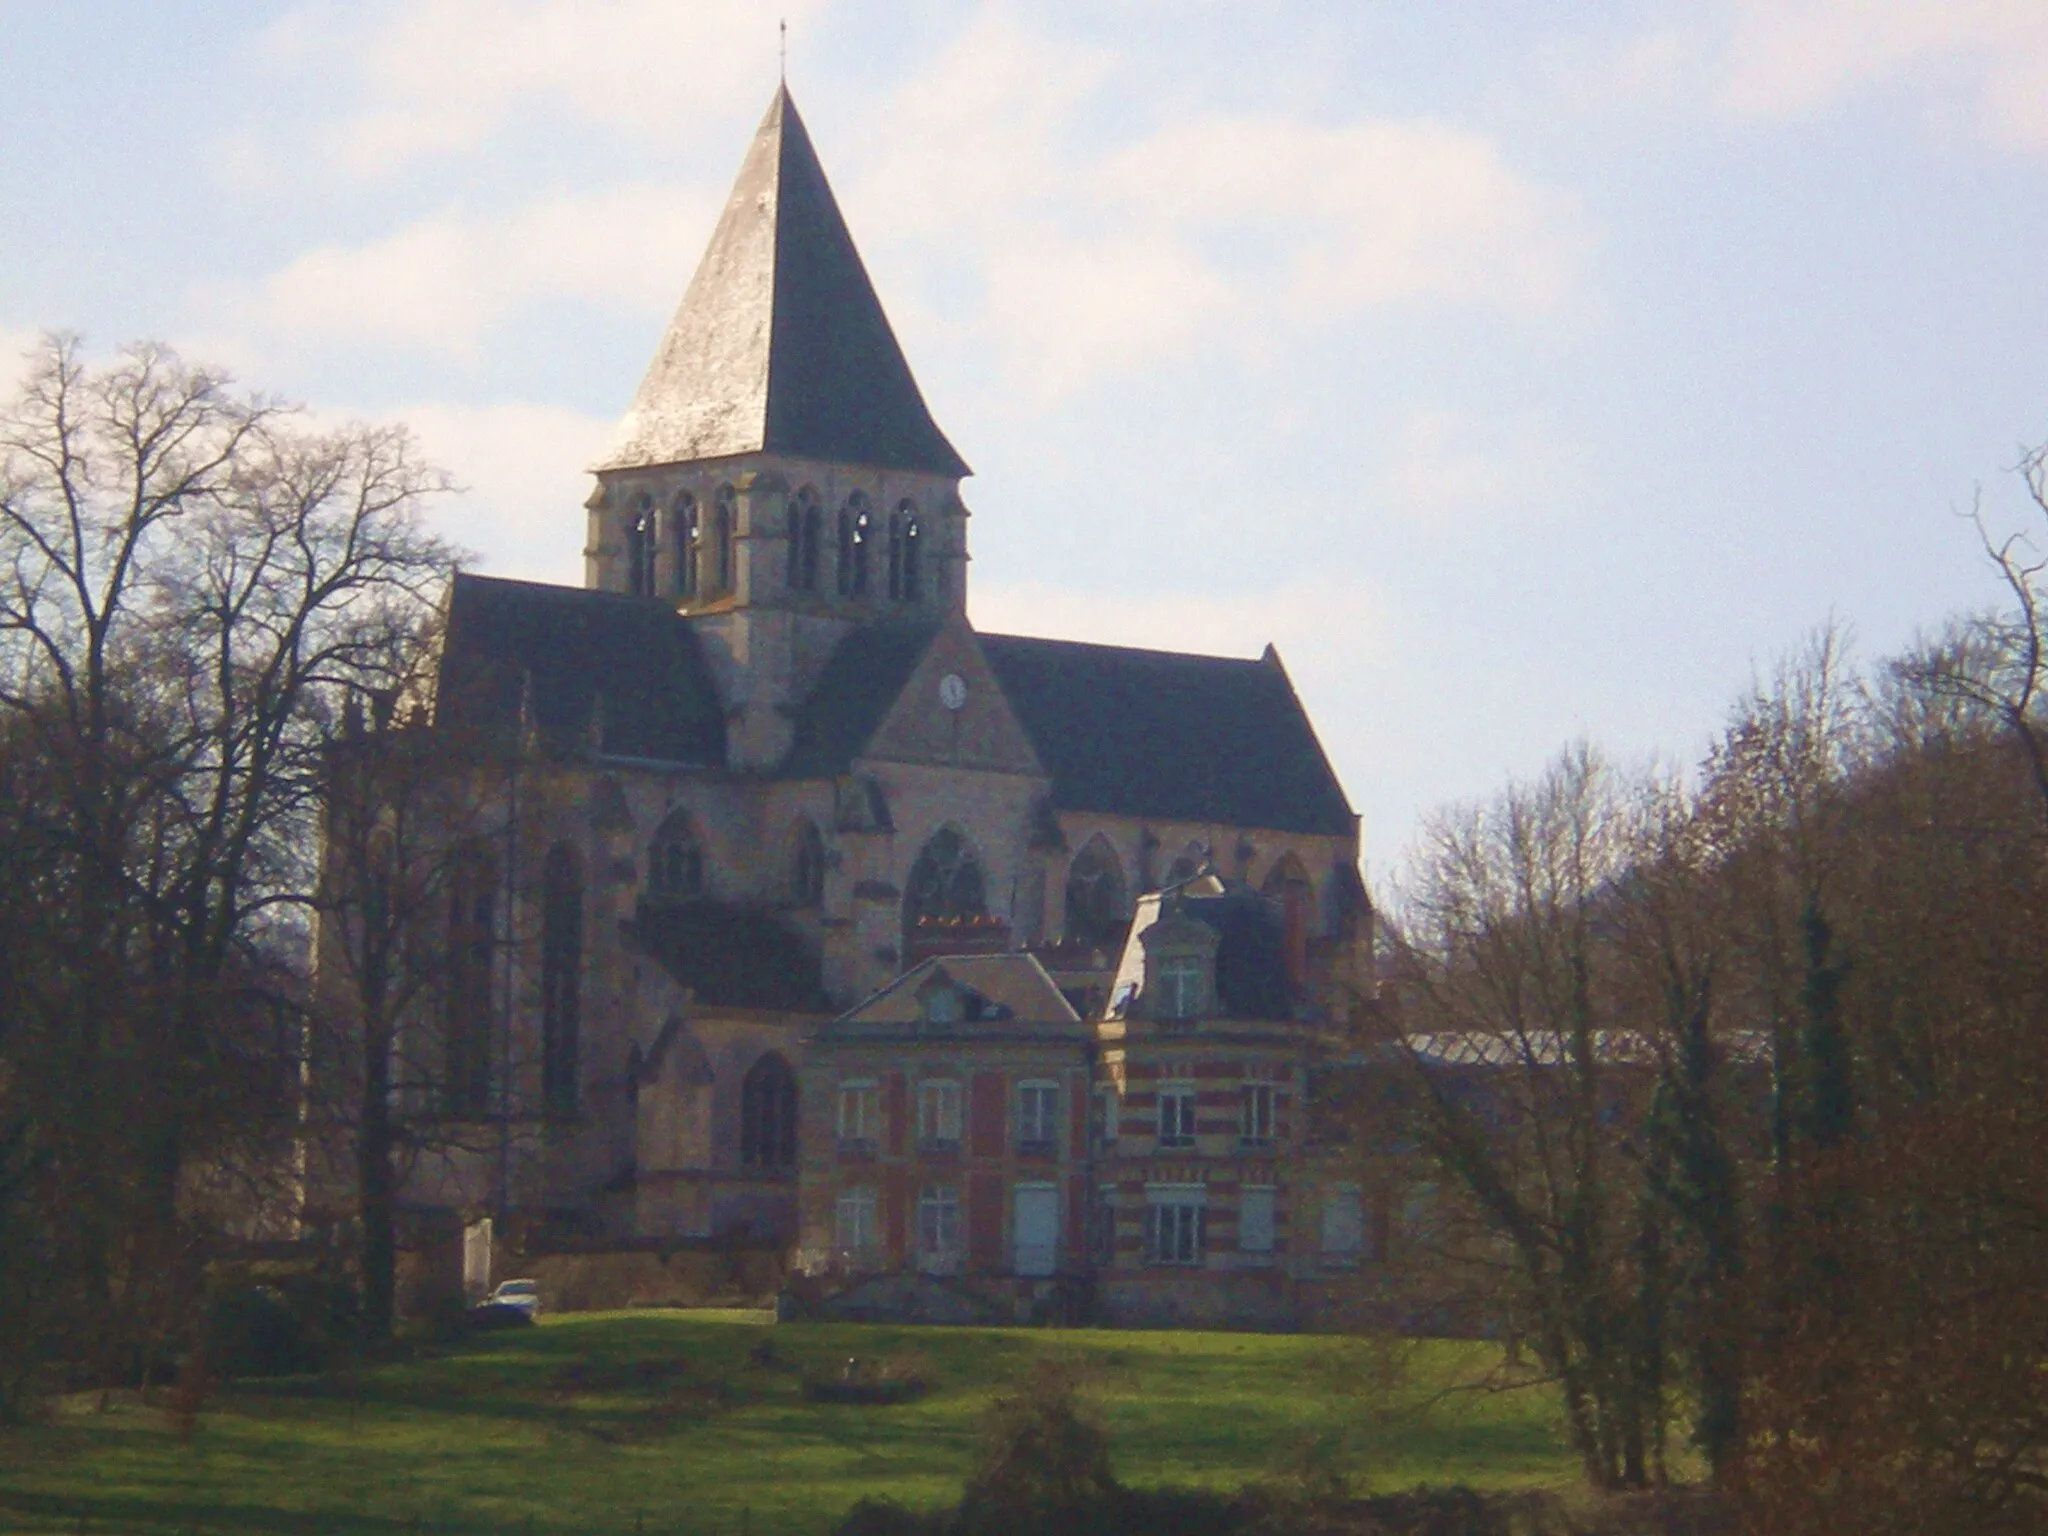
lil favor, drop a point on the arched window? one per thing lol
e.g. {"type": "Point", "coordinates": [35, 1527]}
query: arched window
{"type": "Point", "coordinates": [806, 528]}
{"type": "Point", "coordinates": [675, 860]}
{"type": "Point", "coordinates": [1288, 880]}
{"type": "Point", "coordinates": [723, 522]}
{"type": "Point", "coordinates": [768, 1114]}
{"type": "Point", "coordinates": [946, 884]}
{"type": "Point", "coordinates": [561, 967]}
{"type": "Point", "coordinates": [904, 537]}
{"type": "Point", "coordinates": [1192, 861]}
{"type": "Point", "coordinates": [1096, 909]}
{"type": "Point", "coordinates": [640, 547]}
{"type": "Point", "coordinates": [472, 932]}
{"type": "Point", "coordinates": [856, 533]}
{"type": "Point", "coordinates": [688, 539]}
{"type": "Point", "coordinates": [807, 864]}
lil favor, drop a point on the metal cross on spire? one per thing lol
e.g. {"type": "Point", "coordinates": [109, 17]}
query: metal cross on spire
{"type": "Point", "coordinates": [782, 26]}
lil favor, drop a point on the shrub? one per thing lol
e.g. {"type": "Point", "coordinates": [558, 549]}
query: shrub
{"type": "Point", "coordinates": [1042, 1456]}
{"type": "Point", "coordinates": [254, 1331]}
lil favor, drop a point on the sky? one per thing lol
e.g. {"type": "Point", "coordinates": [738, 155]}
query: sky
{"type": "Point", "coordinates": [1524, 372]}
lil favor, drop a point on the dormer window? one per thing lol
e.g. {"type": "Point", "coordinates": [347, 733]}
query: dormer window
{"type": "Point", "coordinates": [942, 1006]}
{"type": "Point", "coordinates": [1179, 987]}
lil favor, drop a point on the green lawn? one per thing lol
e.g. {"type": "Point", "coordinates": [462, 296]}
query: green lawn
{"type": "Point", "coordinates": [658, 1422]}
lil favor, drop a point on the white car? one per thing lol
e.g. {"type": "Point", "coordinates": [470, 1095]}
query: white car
{"type": "Point", "coordinates": [521, 1294]}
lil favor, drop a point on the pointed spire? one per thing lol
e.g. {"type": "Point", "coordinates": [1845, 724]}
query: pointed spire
{"type": "Point", "coordinates": [780, 345]}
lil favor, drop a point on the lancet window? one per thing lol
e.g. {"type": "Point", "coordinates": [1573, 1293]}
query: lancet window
{"type": "Point", "coordinates": [856, 533]}
{"type": "Point", "coordinates": [687, 539]}
{"type": "Point", "coordinates": [806, 531]}
{"type": "Point", "coordinates": [946, 885]}
{"type": "Point", "coordinates": [640, 547]}
{"type": "Point", "coordinates": [561, 967]}
{"type": "Point", "coordinates": [768, 1114]}
{"type": "Point", "coordinates": [472, 929]}
{"type": "Point", "coordinates": [905, 559]}
{"type": "Point", "coordinates": [1097, 911]}
{"type": "Point", "coordinates": [807, 864]}
{"type": "Point", "coordinates": [675, 860]}
{"type": "Point", "coordinates": [724, 522]}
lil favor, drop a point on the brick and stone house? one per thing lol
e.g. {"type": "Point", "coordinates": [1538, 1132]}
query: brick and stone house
{"type": "Point", "coordinates": [796, 905]}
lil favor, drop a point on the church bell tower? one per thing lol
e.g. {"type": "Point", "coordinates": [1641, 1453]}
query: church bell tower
{"type": "Point", "coordinates": [778, 477]}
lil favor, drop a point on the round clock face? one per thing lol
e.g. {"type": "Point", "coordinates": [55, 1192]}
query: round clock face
{"type": "Point", "coordinates": [952, 690]}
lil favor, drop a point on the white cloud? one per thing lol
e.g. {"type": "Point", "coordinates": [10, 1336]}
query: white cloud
{"type": "Point", "coordinates": [1001, 213]}
{"type": "Point", "coordinates": [1096, 258]}
{"type": "Point", "coordinates": [1449, 462]}
{"type": "Point", "coordinates": [440, 76]}
{"type": "Point", "coordinates": [521, 467]}
{"type": "Point", "coordinates": [441, 283]}
{"type": "Point", "coordinates": [1789, 57]}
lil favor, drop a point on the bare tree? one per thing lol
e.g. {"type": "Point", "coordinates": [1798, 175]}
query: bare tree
{"type": "Point", "coordinates": [192, 580]}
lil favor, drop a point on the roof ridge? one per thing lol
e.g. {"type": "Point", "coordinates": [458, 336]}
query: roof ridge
{"type": "Point", "coordinates": [1129, 650]}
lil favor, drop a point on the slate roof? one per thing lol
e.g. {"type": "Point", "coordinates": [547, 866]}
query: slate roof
{"type": "Point", "coordinates": [572, 647]}
{"type": "Point", "coordinates": [864, 676]}
{"type": "Point", "coordinates": [780, 344]}
{"type": "Point", "coordinates": [1170, 736]}
{"type": "Point", "coordinates": [1014, 988]}
{"type": "Point", "coordinates": [731, 956]}
{"type": "Point", "coordinates": [1251, 957]}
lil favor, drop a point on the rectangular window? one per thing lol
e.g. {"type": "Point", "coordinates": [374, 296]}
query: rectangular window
{"type": "Point", "coordinates": [1343, 1224]}
{"type": "Point", "coordinates": [1177, 1115]}
{"type": "Point", "coordinates": [1035, 1241]}
{"type": "Point", "coordinates": [1107, 1111]}
{"type": "Point", "coordinates": [1256, 1126]}
{"type": "Point", "coordinates": [1037, 1119]}
{"type": "Point", "coordinates": [860, 1115]}
{"type": "Point", "coordinates": [854, 1231]}
{"type": "Point", "coordinates": [1180, 986]}
{"type": "Point", "coordinates": [1255, 1207]}
{"type": "Point", "coordinates": [1174, 1233]}
{"type": "Point", "coordinates": [1102, 1225]}
{"type": "Point", "coordinates": [938, 1228]}
{"type": "Point", "coordinates": [938, 1117]}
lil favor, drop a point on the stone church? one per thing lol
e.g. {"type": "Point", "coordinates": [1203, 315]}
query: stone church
{"type": "Point", "coordinates": [978, 969]}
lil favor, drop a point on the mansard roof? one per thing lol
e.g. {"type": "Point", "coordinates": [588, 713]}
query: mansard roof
{"type": "Point", "coordinates": [1170, 736]}
{"type": "Point", "coordinates": [1251, 952]}
{"type": "Point", "coordinates": [780, 344]}
{"type": "Point", "coordinates": [579, 669]}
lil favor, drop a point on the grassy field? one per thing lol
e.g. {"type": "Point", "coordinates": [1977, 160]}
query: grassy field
{"type": "Point", "coordinates": [659, 1422]}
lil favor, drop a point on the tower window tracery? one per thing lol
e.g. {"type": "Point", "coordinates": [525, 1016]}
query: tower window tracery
{"type": "Point", "coordinates": [856, 532]}
{"type": "Point", "coordinates": [806, 531]}
{"type": "Point", "coordinates": [687, 537]}
{"type": "Point", "coordinates": [724, 519]}
{"type": "Point", "coordinates": [905, 536]}
{"type": "Point", "coordinates": [640, 547]}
